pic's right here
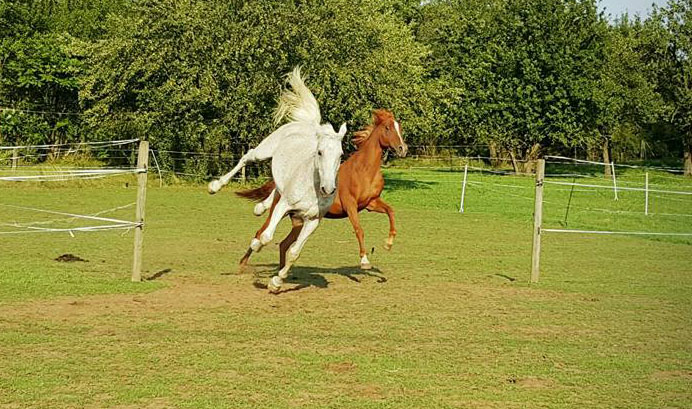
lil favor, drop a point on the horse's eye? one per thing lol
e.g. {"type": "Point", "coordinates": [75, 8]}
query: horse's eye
{"type": "Point", "coordinates": [319, 153]}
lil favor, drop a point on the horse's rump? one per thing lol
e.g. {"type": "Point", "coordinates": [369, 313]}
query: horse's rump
{"type": "Point", "coordinates": [259, 193]}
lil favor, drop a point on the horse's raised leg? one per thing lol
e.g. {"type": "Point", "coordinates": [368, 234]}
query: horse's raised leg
{"type": "Point", "coordinates": [293, 253]}
{"type": "Point", "coordinates": [380, 206]}
{"type": "Point", "coordinates": [290, 239]}
{"type": "Point", "coordinates": [263, 151]}
{"type": "Point", "coordinates": [351, 209]}
{"type": "Point", "coordinates": [216, 184]}
{"type": "Point", "coordinates": [265, 204]}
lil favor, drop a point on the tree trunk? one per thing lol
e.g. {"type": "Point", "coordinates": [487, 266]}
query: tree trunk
{"type": "Point", "coordinates": [688, 160]}
{"type": "Point", "coordinates": [515, 164]}
{"type": "Point", "coordinates": [494, 153]}
{"type": "Point", "coordinates": [606, 158]}
{"type": "Point", "coordinates": [531, 156]}
{"type": "Point", "coordinates": [642, 150]}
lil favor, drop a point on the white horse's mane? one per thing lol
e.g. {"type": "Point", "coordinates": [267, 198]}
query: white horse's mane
{"type": "Point", "coordinates": [297, 104]}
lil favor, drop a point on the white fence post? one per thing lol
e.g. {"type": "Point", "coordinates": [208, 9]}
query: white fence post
{"type": "Point", "coordinates": [615, 184]}
{"type": "Point", "coordinates": [537, 220]}
{"type": "Point", "coordinates": [142, 166]}
{"type": "Point", "coordinates": [646, 193]}
{"type": "Point", "coordinates": [463, 189]}
{"type": "Point", "coordinates": [15, 158]}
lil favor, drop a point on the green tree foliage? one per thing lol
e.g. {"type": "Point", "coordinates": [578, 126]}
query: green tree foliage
{"type": "Point", "coordinates": [625, 94]}
{"type": "Point", "coordinates": [523, 77]}
{"type": "Point", "coordinates": [205, 75]}
{"type": "Point", "coordinates": [513, 72]}
{"type": "Point", "coordinates": [38, 72]}
{"type": "Point", "coordinates": [675, 74]}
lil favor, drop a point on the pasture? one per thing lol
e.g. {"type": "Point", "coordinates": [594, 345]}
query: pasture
{"type": "Point", "coordinates": [447, 319]}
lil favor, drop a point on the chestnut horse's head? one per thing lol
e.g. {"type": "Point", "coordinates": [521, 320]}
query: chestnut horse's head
{"type": "Point", "coordinates": [386, 129]}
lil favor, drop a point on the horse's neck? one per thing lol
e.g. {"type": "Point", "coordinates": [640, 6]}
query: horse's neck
{"type": "Point", "coordinates": [369, 155]}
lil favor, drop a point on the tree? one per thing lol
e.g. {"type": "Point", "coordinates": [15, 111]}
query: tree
{"type": "Point", "coordinates": [516, 73]}
{"type": "Point", "coordinates": [205, 75]}
{"type": "Point", "coordinates": [37, 72]}
{"type": "Point", "coordinates": [625, 91]}
{"type": "Point", "coordinates": [675, 24]}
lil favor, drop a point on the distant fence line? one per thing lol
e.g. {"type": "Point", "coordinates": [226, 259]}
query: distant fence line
{"type": "Point", "coordinates": [536, 182]}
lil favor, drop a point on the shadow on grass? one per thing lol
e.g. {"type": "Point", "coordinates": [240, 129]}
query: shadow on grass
{"type": "Point", "coordinates": [159, 274]}
{"type": "Point", "coordinates": [392, 184]}
{"type": "Point", "coordinates": [306, 277]}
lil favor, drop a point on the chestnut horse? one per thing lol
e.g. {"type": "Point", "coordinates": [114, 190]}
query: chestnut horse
{"type": "Point", "coordinates": [359, 187]}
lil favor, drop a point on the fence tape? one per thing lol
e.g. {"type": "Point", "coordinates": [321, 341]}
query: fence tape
{"type": "Point", "coordinates": [635, 233]}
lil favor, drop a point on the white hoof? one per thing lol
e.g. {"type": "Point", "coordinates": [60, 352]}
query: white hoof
{"type": "Point", "coordinates": [259, 209]}
{"type": "Point", "coordinates": [365, 263]}
{"type": "Point", "coordinates": [275, 284]}
{"type": "Point", "coordinates": [214, 186]}
{"type": "Point", "coordinates": [255, 245]}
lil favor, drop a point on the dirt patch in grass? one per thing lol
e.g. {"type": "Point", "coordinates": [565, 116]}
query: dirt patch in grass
{"type": "Point", "coordinates": [535, 383]}
{"type": "Point", "coordinates": [341, 367]}
{"type": "Point", "coordinates": [672, 375]}
{"type": "Point", "coordinates": [179, 297]}
{"type": "Point", "coordinates": [155, 403]}
{"type": "Point", "coordinates": [368, 391]}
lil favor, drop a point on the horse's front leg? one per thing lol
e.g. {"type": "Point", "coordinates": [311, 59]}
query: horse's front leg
{"type": "Point", "coordinates": [216, 185]}
{"type": "Point", "coordinates": [263, 151]}
{"type": "Point", "coordinates": [380, 206]}
{"type": "Point", "coordinates": [309, 226]}
{"type": "Point", "coordinates": [351, 209]}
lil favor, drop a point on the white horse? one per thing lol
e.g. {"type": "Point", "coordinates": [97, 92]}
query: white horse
{"type": "Point", "coordinates": [305, 161]}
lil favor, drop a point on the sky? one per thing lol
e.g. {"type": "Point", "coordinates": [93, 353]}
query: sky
{"type": "Point", "coordinates": [641, 7]}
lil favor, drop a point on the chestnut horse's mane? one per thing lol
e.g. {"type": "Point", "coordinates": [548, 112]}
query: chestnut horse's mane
{"type": "Point", "coordinates": [378, 116]}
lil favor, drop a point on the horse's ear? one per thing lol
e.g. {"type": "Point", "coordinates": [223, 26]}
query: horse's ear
{"type": "Point", "coordinates": [342, 130]}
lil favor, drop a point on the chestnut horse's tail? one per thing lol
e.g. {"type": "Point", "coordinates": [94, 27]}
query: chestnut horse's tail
{"type": "Point", "coordinates": [259, 194]}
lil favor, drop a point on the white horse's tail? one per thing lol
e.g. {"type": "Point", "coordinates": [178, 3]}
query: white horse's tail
{"type": "Point", "coordinates": [297, 103]}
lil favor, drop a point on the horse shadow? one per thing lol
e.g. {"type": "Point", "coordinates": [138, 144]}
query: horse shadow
{"type": "Point", "coordinates": [305, 277]}
{"type": "Point", "coordinates": [393, 184]}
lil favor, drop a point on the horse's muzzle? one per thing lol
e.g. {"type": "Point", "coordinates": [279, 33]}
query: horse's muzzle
{"type": "Point", "coordinates": [324, 192]}
{"type": "Point", "coordinates": [401, 151]}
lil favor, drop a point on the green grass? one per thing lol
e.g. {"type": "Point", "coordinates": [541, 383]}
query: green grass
{"type": "Point", "coordinates": [447, 320]}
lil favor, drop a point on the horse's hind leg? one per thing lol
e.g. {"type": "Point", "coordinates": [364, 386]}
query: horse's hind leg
{"type": "Point", "coordinates": [255, 244]}
{"type": "Point", "coordinates": [293, 253]}
{"type": "Point", "coordinates": [380, 206]}
{"type": "Point", "coordinates": [290, 239]}
{"type": "Point", "coordinates": [267, 203]}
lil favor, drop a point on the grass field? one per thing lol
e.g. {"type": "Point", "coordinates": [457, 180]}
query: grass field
{"type": "Point", "coordinates": [446, 320]}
